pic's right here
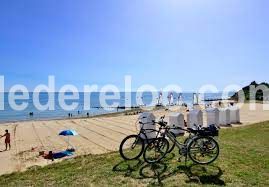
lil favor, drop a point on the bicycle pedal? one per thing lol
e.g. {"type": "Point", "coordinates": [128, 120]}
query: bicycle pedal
{"type": "Point", "coordinates": [179, 160]}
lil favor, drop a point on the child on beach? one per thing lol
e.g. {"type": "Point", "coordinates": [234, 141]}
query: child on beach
{"type": "Point", "coordinates": [7, 140]}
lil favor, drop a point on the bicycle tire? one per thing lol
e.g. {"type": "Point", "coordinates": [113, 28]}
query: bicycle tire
{"type": "Point", "coordinates": [138, 140]}
{"type": "Point", "coordinates": [195, 141]}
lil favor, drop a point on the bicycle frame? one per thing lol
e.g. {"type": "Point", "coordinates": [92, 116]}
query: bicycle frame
{"type": "Point", "coordinates": [173, 139]}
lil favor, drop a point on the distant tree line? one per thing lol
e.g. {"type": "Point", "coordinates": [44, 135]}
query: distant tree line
{"type": "Point", "coordinates": [260, 94]}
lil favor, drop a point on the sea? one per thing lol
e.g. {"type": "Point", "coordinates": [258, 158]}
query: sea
{"type": "Point", "coordinates": [8, 114]}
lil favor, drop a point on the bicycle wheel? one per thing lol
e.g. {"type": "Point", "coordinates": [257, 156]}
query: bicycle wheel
{"type": "Point", "coordinates": [203, 150]}
{"type": "Point", "coordinates": [156, 150]}
{"type": "Point", "coordinates": [132, 147]}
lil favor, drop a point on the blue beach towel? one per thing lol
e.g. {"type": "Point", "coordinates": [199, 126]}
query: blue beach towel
{"type": "Point", "coordinates": [62, 154]}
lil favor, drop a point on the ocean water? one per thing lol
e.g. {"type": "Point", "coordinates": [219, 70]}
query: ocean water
{"type": "Point", "coordinates": [146, 99]}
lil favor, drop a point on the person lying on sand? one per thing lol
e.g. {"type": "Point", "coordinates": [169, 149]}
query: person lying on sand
{"type": "Point", "coordinates": [48, 156]}
{"type": "Point", "coordinates": [51, 155]}
{"type": "Point", "coordinates": [7, 140]}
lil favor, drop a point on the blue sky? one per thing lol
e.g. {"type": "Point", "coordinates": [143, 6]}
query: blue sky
{"type": "Point", "coordinates": [158, 42]}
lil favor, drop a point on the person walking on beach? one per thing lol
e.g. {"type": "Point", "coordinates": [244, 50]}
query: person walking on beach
{"type": "Point", "coordinates": [7, 140]}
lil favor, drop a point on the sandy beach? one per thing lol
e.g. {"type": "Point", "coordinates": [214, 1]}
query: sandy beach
{"type": "Point", "coordinates": [96, 136]}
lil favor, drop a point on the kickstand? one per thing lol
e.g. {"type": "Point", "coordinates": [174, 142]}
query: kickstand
{"type": "Point", "coordinates": [186, 159]}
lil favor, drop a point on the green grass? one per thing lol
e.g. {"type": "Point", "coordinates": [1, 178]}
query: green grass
{"type": "Point", "coordinates": [243, 161]}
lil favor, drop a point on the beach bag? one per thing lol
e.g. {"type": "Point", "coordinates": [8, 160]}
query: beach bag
{"type": "Point", "coordinates": [211, 130]}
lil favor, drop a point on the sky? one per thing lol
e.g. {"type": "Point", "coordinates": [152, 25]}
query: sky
{"type": "Point", "coordinates": [157, 42]}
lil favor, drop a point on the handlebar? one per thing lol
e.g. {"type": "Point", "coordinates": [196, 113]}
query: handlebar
{"type": "Point", "coordinates": [161, 122]}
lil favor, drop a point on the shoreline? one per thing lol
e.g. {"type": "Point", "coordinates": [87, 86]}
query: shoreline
{"type": "Point", "coordinates": [109, 114]}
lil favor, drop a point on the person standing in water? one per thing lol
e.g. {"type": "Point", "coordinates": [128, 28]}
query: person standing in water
{"type": "Point", "coordinates": [7, 140]}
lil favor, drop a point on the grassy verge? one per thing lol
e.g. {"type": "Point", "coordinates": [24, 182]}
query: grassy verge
{"type": "Point", "coordinates": [244, 161]}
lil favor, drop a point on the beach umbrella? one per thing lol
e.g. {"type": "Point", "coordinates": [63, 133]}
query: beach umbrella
{"type": "Point", "coordinates": [68, 133]}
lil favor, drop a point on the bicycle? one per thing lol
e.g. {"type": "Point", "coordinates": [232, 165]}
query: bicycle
{"type": "Point", "coordinates": [132, 147]}
{"type": "Point", "coordinates": [201, 148]}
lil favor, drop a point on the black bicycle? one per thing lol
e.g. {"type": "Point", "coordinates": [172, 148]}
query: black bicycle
{"type": "Point", "coordinates": [132, 147]}
{"type": "Point", "coordinates": [201, 148]}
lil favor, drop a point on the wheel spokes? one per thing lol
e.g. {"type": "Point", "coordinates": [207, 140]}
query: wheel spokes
{"type": "Point", "coordinates": [203, 150]}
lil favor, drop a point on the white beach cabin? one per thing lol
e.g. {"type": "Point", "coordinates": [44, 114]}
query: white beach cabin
{"type": "Point", "coordinates": [212, 116]}
{"type": "Point", "coordinates": [147, 119]}
{"type": "Point", "coordinates": [234, 115]}
{"type": "Point", "coordinates": [194, 117]}
{"type": "Point", "coordinates": [224, 116]}
{"type": "Point", "coordinates": [176, 120]}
